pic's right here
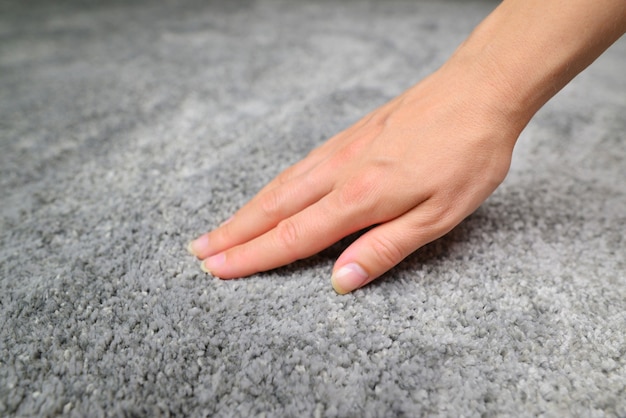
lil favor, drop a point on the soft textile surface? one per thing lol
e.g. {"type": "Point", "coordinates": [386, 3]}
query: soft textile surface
{"type": "Point", "coordinates": [129, 128]}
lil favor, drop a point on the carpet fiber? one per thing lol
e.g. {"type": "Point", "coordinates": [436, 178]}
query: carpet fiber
{"type": "Point", "coordinates": [128, 128]}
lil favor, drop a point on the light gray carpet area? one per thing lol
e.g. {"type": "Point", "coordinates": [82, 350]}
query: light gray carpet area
{"type": "Point", "coordinates": [129, 128]}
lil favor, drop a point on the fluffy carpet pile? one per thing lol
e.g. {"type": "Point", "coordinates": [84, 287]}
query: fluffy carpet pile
{"type": "Point", "coordinates": [128, 128]}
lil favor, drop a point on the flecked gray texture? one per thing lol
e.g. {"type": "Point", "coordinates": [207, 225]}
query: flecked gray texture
{"type": "Point", "coordinates": [126, 129]}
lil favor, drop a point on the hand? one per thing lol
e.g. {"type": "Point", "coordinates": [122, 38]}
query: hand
{"type": "Point", "coordinates": [414, 168]}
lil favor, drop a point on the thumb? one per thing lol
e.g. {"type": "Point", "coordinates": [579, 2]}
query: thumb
{"type": "Point", "coordinates": [383, 247]}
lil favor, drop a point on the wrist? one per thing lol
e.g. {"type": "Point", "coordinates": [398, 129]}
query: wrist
{"type": "Point", "coordinates": [493, 88]}
{"type": "Point", "coordinates": [526, 51]}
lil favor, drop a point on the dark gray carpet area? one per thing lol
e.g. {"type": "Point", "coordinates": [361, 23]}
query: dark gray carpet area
{"type": "Point", "coordinates": [129, 128]}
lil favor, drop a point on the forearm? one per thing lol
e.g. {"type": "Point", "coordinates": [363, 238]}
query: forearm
{"type": "Point", "coordinates": [525, 51]}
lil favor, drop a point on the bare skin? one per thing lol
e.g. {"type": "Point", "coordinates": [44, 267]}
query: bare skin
{"type": "Point", "coordinates": [417, 166]}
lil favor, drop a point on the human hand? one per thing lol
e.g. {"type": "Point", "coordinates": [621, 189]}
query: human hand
{"type": "Point", "coordinates": [413, 169]}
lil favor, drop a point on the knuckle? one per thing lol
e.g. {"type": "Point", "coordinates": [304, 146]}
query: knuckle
{"type": "Point", "coordinates": [223, 234]}
{"type": "Point", "coordinates": [361, 191]}
{"type": "Point", "coordinates": [270, 204]}
{"type": "Point", "coordinates": [354, 194]}
{"type": "Point", "coordinates": [346, 153]}
{"type": "Point", "coordinates": [447, 221]}
{"type": "Point", "coordinates": [316, 152]}
{"type": "Point", "coordinates": [288, 236]}
{"type": "Point", "coordinates": [440, 218]}
{"type": "Point", "coordinates": [285, 176]}
{"type": "Point", "coordinates": [388, 251]}
{"type": "Point", "coordinates": [378, 121]}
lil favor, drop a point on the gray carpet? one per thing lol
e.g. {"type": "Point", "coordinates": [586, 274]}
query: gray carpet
{"type": "Point", "coordinates": [127, 129]}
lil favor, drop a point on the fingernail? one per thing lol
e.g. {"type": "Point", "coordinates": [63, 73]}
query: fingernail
{"type": "Point", "coordinates": [198, 246]}
{"type": "Point", "coordinates": [210, 264]}
{"type": "Point", "coordinates": [190, 248]}
{"type": "Point", "coordinates": [349, 277]}
{"type": "Point", "coordinates": [204, 268]}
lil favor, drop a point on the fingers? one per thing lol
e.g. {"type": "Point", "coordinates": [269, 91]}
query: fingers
{"type": "Point", "coordinates": [355, 205]}
{"type": "Point", "coordinates": [383, 247]}
{"type": "Point", "coordinates": [263, 213]}
{"type": "Point", "coordinates": [306, 233]}
{"type": "Point", "coordinates": [295, 188]}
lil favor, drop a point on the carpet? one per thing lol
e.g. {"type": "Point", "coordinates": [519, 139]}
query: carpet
{"type": "Point", "coordinates": [128, 128]}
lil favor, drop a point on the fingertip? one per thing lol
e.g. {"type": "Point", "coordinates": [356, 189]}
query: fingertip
{"type": "Point", "coordinates": [190, 249]}
{"type": "Point", "coordinates": [207, 269]}
{"type": "Point", "coordinates": [212, 264]}
{"type": "Point", "coordinates": [337, 287]}
{"type": "Point", "coordinates": [199, 247]}
{"type": "Point", "coordinates": [204, 268]}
